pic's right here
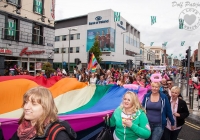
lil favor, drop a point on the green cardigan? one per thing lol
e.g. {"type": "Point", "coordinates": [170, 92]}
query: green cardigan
{"type": "Point", "coordinates": [139, 129]}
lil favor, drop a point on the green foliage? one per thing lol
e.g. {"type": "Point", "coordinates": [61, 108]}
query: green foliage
{"type": "Point", "coordinates": [96, 51]}
{"type": "Point", "coordinates": [48, 68]}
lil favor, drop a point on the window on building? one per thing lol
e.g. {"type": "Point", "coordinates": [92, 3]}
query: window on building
{"type": "Point", "coordinates": [78, 36]}
{"type": "Point", "coordinates": [64, 38]}
{"type": "Point", "coordinates": [15, 2]}
{"type": "Point", "coordinates": [38, 6]}
{"type": "Point", "coordinates": [71, 37]}
{"type": "Point", "coordinates": [63, 50]}
{"type": "Point", "coordinates": [57, 38]}
{"type": "Point", "coordinates": [71, 49]}
{"type": "Point", "coordinates": [127, 39]}
{"type": "Point", "coordinates": [11, 27]}
{"type": "Point", "coordinates": [38, 35]}
{"type": "Point", "coordinates": [56, 50]}
{"type": "Point", "coordinates": [77, 49]}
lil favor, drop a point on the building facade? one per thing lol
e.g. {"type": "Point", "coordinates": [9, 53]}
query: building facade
{"type": "Point", "coordinates": [118, 41]}
{"type": "Point", "coordinates": [27, 34]}
{"type": "Point", "coordinates": [160, 55]}
{"type": "Point", "coordinates": [147, 55]}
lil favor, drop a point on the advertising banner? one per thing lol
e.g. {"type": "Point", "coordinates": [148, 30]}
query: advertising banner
{"type": "Point", "coordinates": [105, 37]}
{"type": "Point", "coordinates": [38, 66]}
{"type": "Point", "coordinates": [155, 67]}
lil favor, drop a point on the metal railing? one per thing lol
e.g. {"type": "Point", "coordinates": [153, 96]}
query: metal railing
{"type": "Point", "coordinates": [22, 36]}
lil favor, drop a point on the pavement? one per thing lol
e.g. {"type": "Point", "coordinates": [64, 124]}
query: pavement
{"type": "Point", "coordinates": [194, 110]}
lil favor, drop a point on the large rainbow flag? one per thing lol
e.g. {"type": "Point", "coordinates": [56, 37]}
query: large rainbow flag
{"type": "Point", "coordinates": [82, 105]}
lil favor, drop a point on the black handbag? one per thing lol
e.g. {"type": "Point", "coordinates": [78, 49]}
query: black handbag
{"type": "Point", "coordinates": [105, 133]}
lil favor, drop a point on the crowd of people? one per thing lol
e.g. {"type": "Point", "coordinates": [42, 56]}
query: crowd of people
{"type": "Point", "coordinates": [160, 116]}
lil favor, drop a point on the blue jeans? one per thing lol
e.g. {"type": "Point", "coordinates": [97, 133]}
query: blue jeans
{"type": "Point", "coordinates": [170, 135]}
{"type": "Point", "coordinates": [156, 131]}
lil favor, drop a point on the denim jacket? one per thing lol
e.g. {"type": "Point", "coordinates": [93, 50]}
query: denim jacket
{"type": "Point", "coordinates": [165, 110]}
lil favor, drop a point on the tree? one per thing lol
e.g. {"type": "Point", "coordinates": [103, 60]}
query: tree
{"type": "Point", "coordinates": [96, 51]}
{"type": "Point", "coordinates": [48, 68]}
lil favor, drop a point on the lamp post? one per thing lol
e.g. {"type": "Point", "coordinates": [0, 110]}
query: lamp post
{"type": "Point", "coordinates": [70, 29]}
{"type": "Point", "coordinates": [123, 39]}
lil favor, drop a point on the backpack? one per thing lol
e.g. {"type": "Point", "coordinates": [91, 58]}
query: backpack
{"type": "Point", "coordinates": [61, 126]}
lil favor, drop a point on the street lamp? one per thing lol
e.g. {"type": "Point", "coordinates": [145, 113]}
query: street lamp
{"type": "Point", "coordinates": [123, 39]}
{"type": "Point", "coordinates": [70, 29]}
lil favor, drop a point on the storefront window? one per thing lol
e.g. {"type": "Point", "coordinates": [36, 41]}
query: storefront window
{"type": "Point", "coordinates": [24, 65]}
{"type": "Point", "coordinates": [32, 66]}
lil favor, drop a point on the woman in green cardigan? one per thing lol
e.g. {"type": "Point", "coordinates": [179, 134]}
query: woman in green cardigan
{"type": "Point", "coordinates": [130, 119]}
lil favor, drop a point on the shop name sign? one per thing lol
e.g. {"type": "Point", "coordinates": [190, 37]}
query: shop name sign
{"type": "Point", "coordinates": [98, 21]}
{"type": "Point", "coordinates": [25, 52]}
{"type": "Point", "coordinates": [120, 25]}
{"type": "Point", "coordinates": [5, 51]}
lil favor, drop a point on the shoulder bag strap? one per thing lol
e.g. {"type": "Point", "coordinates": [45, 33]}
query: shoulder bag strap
{"type": "Point", "coordinates": [54, 130]}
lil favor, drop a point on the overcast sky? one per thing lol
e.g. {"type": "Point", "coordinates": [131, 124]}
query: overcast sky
{"type": "Point", "coordinates": [138, 13]}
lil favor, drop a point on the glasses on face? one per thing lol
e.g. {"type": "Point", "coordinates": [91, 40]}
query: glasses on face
{"type": "Point", "coordinates": [169, 83]}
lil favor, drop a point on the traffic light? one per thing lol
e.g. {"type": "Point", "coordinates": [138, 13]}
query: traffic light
{"type": "Point", "coordinates": [141, 64]}
{"type": "Point", "coordinates": [77, 61]}
{"type": "Point", "coordinates": [187, 55]}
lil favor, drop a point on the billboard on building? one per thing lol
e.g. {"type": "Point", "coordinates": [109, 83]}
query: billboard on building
{"type": "Point", "coordinates": [105, 37]}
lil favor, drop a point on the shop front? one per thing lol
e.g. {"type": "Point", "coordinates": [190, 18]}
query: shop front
{"type": "Point", "coordinates": [27, 60]}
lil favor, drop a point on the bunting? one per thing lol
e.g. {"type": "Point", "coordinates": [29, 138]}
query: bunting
{"type": "Point", "coordinates": [153, 20]}
{"type": "Point", "coordinates": [165, 44]}
{"type": "Point", "coordinates": [151, 43]}
{"type": "Point", "coordinates": [182, 43]}
{"type": "Point", "coordinates": [181, 23]}
{"type": "Point", "coordinates": [116, 16]}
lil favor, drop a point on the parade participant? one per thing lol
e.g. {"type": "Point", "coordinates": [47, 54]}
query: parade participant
{"type": "Point", "coordinates": [93, 79]}
{"type": "Point", "coordinates": [102, 81]}
{"type": "Point", "coordinates": [180, 112]}
{"type": "Point", "coordinates": [121, 81]}
{"type": "Point", "coordinates": [158, 108]}
{"type": "Point", "coordinates": [39, 118]}
{"type": "Point", "coordinates": [130, 119]}
{"type": "Point", "coordinates": [138, 81]}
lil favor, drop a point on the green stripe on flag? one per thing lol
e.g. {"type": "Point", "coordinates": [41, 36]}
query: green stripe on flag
{"type": "Point", "coordinates": [99, 93]}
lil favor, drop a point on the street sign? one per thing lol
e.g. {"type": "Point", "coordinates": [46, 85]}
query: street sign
{"type": "Point", "coordinates": [197, 64]}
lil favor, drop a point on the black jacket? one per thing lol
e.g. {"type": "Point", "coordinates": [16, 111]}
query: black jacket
{"type": "Point", "coordinates": [183, 111]}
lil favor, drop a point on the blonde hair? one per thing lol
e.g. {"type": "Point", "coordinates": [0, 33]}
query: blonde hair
{"type": "Point", "coordinates": [44, 97]}
{"type": "Point", "coordinates": [176, 89]}
{"type": "Point", "coordinates": [136, 105]}
{"type": "Point", "coordinates": [155, 83]}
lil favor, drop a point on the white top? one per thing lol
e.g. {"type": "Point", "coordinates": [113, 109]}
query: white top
{"type": "Point", "coordinates": [93, 81]}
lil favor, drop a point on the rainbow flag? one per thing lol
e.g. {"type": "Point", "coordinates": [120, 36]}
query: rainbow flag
{"type": "Point", "coordinates": [82, 105]}
{"type": "Point", "coordinates": [92, 65]}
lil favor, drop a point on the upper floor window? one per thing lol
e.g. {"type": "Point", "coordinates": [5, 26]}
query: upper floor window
{"type": "Point", "coordinates": [15, 2]}
{"type": "Point", "coordinates": [77, 49]}
{"type": "Point", "coordinates": [71, 37]}
{"type": "Point", "coordinates": [56, 50]}
{"type": "Point", "coordinates": [64, 38]}
{"type": "Point", "coordinates": [78, 36]}
{"type": "Point", "coordinates": [63, 50]}
{"type": "Point", "coordinates": [38, 6]}
{"type": "Point", "coordinates": [11, 28]}
{"type": "Point", "coordinates": [57, 38]}
{"type": "Point", "coordinates": [38, 35]}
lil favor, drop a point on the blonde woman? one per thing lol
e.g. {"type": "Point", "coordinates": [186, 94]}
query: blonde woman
{"type": "Point", "coordinates": [158, 109]}
{"type": "Point", "coordinates": [39, 118]}
{"type": "Point", "coordinates": [130, 119]}
{"type": "Point", "coordinates": [180, 112]}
